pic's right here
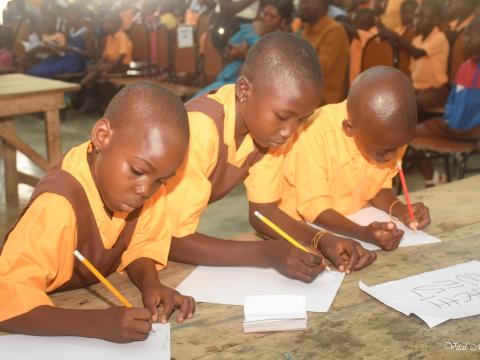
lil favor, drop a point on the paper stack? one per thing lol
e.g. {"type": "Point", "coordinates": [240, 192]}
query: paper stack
{"type": "Point", "coordinates": [275, 313]}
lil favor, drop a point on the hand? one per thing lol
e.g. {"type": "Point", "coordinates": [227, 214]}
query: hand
{"type": "Point", "coordinates": [293, 262]}
{"type": "Point", "coordinates": [234, 52]}
{"type": "Point", "coordinates": [384, 234]}
{"type": "Point", "coordinates": [420, 213]}
{"type": "Point", "coordinates": [122, 324]}
{"type": "Point", "coordinates": [156, 295]}
{"type": "Point", "coordinates": [346, 254]}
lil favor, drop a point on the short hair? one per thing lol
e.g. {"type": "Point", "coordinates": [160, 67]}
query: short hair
{"type": "Point", "coordinates": [435, 7]}
{"type": "Point", "coordinates": [283, 56]}
{"type": "Point", "coordinates": [407, 3]}
{"type": "Point", "coordinates": [365, 17]}
{"type": "Point", "coordinates": [148, 103]}
{"type": "Point", "coordinates": [284, 7]}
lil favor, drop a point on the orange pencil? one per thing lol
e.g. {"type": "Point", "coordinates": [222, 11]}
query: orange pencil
{"type": "Point", "coordinates": [407, 197]}
{"type": "Point", "coordinates": [102, 278]}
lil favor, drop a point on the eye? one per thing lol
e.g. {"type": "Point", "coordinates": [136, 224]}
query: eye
{"type": "Point", "coordinates": [281, 118]}
{"type": "Point", "coordinates": [135, 171]}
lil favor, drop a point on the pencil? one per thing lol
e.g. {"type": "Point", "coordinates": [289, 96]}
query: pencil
{"type": "Point", "coordinates": [405, 192]}
{"type": "Point", "coordinates": [100, 277]}
{"type": "Point", "coordinates": [282, 233]}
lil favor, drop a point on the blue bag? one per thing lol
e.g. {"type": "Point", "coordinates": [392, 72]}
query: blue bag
{"type": "Point", "coordinates": [462, 111]}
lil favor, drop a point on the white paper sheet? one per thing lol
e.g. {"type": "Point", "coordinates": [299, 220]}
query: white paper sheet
{"type": "Point", "coordinates": [24, 347]}
{"type": "Point", "coordinates": [184, 36]}
{"type": "Point", "coordinates": [435, 296]}
{"type": "Point", "coordinates": [368, 215]}
{"type": "Point", "coordinates": [230, 285]}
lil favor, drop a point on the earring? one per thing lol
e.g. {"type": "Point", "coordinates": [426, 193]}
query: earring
{"type": "Point", "coordinates": [97, 149]}
{"type": "Point", "coordinates": [243, 100]}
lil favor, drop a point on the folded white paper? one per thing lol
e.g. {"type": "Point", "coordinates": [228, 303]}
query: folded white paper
{"type": "Point", "coordinates": [230, 285]}
{"type": "Point", "coordinates": [435, 296]}
{"type": "Point", "coordinates": [369, 215]}
{"type": "Point", "coordinates": [275, 313]}
{"type": "Point", "coordinates": [25, 347]}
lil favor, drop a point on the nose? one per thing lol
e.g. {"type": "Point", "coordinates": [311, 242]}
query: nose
{"type": "Point", "coordinates": [290, 127]}
{"type": "Point", "coordinates": [389, 156]}
{"type": "Point", "coordinates": [145, 189]}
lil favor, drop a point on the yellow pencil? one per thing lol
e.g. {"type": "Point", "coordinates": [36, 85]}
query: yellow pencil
{"type": "Point", "coordinates": [102, 278]}
{"type": "Point", "coordinates": [282, 233]}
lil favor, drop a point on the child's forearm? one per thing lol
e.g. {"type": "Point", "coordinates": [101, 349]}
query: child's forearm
{"type": "Point", "coordinates": [199, 249]}
{"type": "Point", "coordinates": [297, 229]}
{"type": "Point", "coordinates": [384, 201]}
{"type": "Point", "coordinates": [142, 272]}
{"type": "Point", "coordinates": [335, 222]}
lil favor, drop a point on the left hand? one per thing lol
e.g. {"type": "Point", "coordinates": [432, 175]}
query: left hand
{"type": "Point", "coordinates": [420, 213]}
{"type": "Point", "coordinates": [168, 299]}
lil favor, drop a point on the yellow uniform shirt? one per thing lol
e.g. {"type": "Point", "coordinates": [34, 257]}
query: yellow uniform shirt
{"type": "Point", "coordinates": [189, 191]}
{"type": "Point", "coordinates": [356, 50]}
{"type": "Point", "coordinates": [325, 170]}
{"type": "Point", "coordinates": [430, 70]}
{"type": "Point", "coordinates": [38, 256]}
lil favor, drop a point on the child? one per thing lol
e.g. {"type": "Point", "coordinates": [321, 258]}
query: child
{"type": "Point", "coordinates": [462, 112]}
{"type": "Point", "coordinates": [407, 14]}
{"type": "Point", "coordinates": [106, 200]}
{"type": "Point", "coordinates": [347, 158]}
{"type": "Point", "coordinates": [462, 12]}
{"type": "Point", "coordinates": [429, 51]}
{"type": "Point", "coordinates": [237, 134]}
{"type": "Point", "coordinates": [364, 22]}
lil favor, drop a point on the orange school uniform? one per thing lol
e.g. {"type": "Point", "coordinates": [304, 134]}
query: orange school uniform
{"type": "Point", "coordinates": [214, 164]}
{"type": "Point", "coordinates": [116, 45]}
{"type": "Point", "coordinates": [430, 71]}
{"type": "Point", "coordinates": [38, 255]}
{"type": "Point", "coordinates": [356, 50]}
{"type": "Point", "coordinates": [324, 169]}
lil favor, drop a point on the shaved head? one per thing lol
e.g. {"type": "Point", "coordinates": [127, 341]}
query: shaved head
{"type": "Point", "coordinates": [148, 106]}
{"type": "Point", "coordinates": [383, 98]}
{"type": "Point", "coordinates": [281, 59]}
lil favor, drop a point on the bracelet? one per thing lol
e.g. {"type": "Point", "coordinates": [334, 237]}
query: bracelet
{"type": "Point", "coordinates": [317, 237]}
{"type": "Point", "coordinates": [391, 208]}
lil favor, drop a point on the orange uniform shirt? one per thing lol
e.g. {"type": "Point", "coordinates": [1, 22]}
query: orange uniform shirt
{"type": "Point", "coordinates": [356, 50]}
{"type": "Point", "coordinates": [116, 45]}
{"type": "Point", "coordinates": [189, 191]}
{"type": "Point", "coordinates": [330, 41]}
{"type": "Point", "coordinates": [38, 256]}
{"type": "Point", "coordinates": [430, 70]}
{"type": "Point", "coordinates": [324, 169]}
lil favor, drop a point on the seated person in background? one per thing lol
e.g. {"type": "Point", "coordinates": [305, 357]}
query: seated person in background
{"type": "Point", "coordinates": [346, 157]}
{"type": "Point", "coordinates": [107, 200]}
{"type": "Point", "coordinates": [6, 56]}
{"type": "Point", "coordinates": [127, 12]}
{"type": "Point", "coordinates": [407, 12]}
{"type": "Point", "coordinates": [364, 22]}
{"type": "Point", "coordinates": [116, 57]}
{"type": "Point", "coordinates": [330, 41]}
{"type": "Point", "coordinates": [462, 12]}
{"type": "Point", "coordinates": [274, 15]}
{"type": "Point", "coordinates": [78, 50]}
{"type": "Point", "coordinates": [429, 51]}
{"type": "Point", "coordinates": [462, 112]}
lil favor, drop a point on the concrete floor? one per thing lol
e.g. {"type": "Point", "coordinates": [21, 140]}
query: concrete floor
{"type": "Point", "coordinates": [225, 218]}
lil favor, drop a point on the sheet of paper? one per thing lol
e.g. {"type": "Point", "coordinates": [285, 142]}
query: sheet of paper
{"type": "Point", "coordinates": [275, 313]}
{"type": "Point", "coordinates": [230, 285]}
{"type": "Point", "coordinates": [368, 215]}
{"type": "Point", "coordinates": [435, 296]}
{"type": "Point", "coordinates": [184, 36]}
{"type": "Point", "coordinates": [24, 347]}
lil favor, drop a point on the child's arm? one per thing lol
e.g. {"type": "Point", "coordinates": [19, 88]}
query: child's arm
{"type": "Point", "coordinates": [384, 234]}
{"type": "Point", "coordinates": [117, 324]}
{"type": "Point", "coordinates": [384, 200]}
{"type": "Point", "coordinates": [345, 254]}
{"type": "Point", "coordinates": [143, 274]}
{"type": "Point", "coordinates": [413, 51]}
{"type": "Point", "coordinates": [201, 249]}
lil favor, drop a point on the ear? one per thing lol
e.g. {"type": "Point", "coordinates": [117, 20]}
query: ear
{"type": "Point", "coordinates": [243, 89]}
{"type": "Point", "coordinates": [348, 128]}
{"type": "Point", "coordinates": [101, 134]}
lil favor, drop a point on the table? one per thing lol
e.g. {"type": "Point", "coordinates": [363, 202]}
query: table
{"type": "Point", "coordinates": [357, 326]}
{"type": "Point", "coordinates": [180, 90]}
{"type": "Point", "coordinates": [23, 94]}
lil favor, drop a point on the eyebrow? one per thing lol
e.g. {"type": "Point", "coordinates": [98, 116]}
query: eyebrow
{"type": "Point", "coordinates": [146, 162]}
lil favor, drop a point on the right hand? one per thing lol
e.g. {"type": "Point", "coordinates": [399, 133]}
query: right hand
{"type": "Point", "coordinates": [123, 325]}
{"type": "Point", "coordinates": [384, 234]}
{"type": "Point", "coordinates": [293, 262]}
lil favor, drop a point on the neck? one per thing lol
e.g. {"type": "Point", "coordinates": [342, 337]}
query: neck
{"type": "Point", "coordinates": [91, 159]}
{"type": "Point", "coordinates": [428, 32]}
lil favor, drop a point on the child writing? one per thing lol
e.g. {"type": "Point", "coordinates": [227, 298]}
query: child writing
{"type": "Point", "coordinates": [347, 156]}
{"type": "Point", "coordinates": [237, 134]}
{"type": "Point", "coordinates": [106, 199]}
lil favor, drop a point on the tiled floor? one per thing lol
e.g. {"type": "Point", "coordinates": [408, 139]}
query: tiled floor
{"type": "Point", "coordinates": [223, 219]}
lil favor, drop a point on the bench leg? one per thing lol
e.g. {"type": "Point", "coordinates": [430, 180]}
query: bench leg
{"type": "Point", "coordinates": [448, 171]}
{"type": "Point", "coordinates": [10, 165]}
{"type": "Point", "coordinates": [52, 131]}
